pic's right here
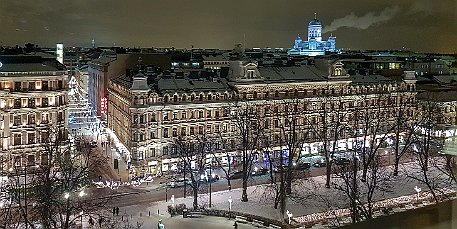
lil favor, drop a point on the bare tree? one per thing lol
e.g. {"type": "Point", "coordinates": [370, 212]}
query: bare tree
{"type": "Point", "coordinates": [360, 189]}
{"type": "Point", "coordinates": [247, 121]}
{"type": "Point", "coordinates": [54, 193]}
{"type": "Point", "coordinates": [189, 151]}
{"type": "Point", "coordinates": [404, 128]}
{"type": "Point", "coordinates": [327, 124]}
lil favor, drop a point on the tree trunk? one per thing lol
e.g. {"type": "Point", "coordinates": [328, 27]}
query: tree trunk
{"type": "Point", "coordinates": [328, 172]}
{"type": "Point", "coordinates": [397, 161]}
{"type": "Point", "coordinates": [244, 196]}
{"type": "Point", "coordinates": [195, 204]}
{"type": "Point", "coordinates": [289, 178]}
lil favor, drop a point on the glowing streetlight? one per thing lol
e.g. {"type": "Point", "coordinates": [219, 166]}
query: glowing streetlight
{"type": "Point", "coordinates": [82, 193]}
{"type": "Point", "coordinates": [67, 195]}
{"type": "Point", "coordinates": [289, 215]}
{"type": "Point", "coordinates": [418, 190]}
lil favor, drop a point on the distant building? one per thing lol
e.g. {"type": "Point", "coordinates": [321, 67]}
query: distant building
{"type": "Point", "coordinates": [314, 46]}
{"type": "Point", "coordinates": [148, 112]}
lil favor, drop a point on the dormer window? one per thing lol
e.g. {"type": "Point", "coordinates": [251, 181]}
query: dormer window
{"type": "Point", "coordinates": [338, 71]}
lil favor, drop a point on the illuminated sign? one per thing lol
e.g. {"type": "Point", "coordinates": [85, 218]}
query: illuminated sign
{"type": "Point", "coordinates": [59, 53]}
{"type": "Point", "coordinates": [103, 105]}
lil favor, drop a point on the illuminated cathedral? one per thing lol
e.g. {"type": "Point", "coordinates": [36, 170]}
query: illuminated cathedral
{"type": "Point", "coordinates": [314, 46]}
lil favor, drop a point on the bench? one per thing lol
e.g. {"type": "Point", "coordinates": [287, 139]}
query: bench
{"type": "Point", "coordinates": [186, 213]}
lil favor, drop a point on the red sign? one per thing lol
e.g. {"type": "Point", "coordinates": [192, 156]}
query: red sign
{"type": "Point", "coordinates": [103, 105]}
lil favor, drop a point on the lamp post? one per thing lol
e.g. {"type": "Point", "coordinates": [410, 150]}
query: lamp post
{"type": "Point", "coordinates": [81, 195]}
{"type": "Point", "coordinates": [230, 205]}
{"type": "Point", "coordinates": [418, 190]}
{"type": "Point", "coordinates": [289, 215]}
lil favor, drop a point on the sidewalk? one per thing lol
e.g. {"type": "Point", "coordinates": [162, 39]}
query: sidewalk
{"type": "Point", "coordinates": [260, 199]}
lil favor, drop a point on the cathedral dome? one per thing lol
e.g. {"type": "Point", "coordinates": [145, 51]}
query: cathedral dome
{"type": "Point", "coordinates": [315, 22]}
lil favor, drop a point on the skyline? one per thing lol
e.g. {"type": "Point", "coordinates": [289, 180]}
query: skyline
{"type": "Point", "coordinates": [422, 26]}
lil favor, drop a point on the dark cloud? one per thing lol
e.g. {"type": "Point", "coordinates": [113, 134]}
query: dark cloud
{"type": "Point", "coordinates": [421, 25]}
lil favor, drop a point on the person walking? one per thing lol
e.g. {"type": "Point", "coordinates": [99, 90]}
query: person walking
{"type": "Point", "coordinates": [117, 211]}
{"type": "Point", "coordinates": [114, 211]}
{"type": "Point", "coordinates": [235, 225]}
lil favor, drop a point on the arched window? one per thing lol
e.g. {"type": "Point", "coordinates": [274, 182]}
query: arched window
{"type": "Point", "coordinates": [175, 98]}
{"type": "Point", "coordinates": [165, 99]}
{"type": "Point", "coordinates": [255, 95]}
{"type": "Point", "coordinates": [201, 97]}
{"type": "Point", "coordinates": [276, 94]}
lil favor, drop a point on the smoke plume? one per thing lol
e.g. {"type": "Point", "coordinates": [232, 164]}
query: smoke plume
{"type": "Point", "coordinates": [363, 22]}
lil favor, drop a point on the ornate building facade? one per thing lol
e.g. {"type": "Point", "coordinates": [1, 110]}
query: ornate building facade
{"type": "Point", "coordinates": [33, 97]}
{"type": "Point", "coordinates": [314, 46]}
{"type": "Point", "coordinates": [147, 117]}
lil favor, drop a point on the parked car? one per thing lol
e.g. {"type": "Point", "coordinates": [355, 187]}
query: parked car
{"type": "Point", "coordinates": [236, 175]}
{"type": "Point", "coordinates": [178, 183]}
{"type": "Point", "coordinates": [320, 163]}
{"type": "Point", "coordinates": [259, 171]}
{"type": "Point", "coordinates": [341, 161]}
{"type": "Point", "coordinates": [302, 166]}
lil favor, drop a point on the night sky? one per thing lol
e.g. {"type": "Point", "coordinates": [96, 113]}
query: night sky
{"type": "Point", "coordinates": [424, 25]}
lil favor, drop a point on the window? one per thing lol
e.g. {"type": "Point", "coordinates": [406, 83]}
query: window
{"type": "Point", "coordinates": [44, 102]}
{"type": "Point", "coordinates": [175, 132]}
{"type": "Point", "coordinates": [30, 160]}
{"type": "Point", "coordinates": [200, 130]}
{"type": "Point", "coordinates": [17, 86]}
{"type": "Point", "coordinates": [153, 134]}
{"type": "Point", "coordinates": [152, 152]}
{"type": "Point", "coordinates": [32, 102]}
{"type": "Point", "coordinates": [208, 113]}
{"type": "Point", "coordinates": [17, 120]}
{"type": "Point", "coordinates": [200, 114]}
{"type": "Point", "coordinates": [31, 138]}
{"type": "Point", "coordinates": [165, 115]}
{"type": "Point", "coordinates": [192, 130]}
{"type": "Point", "coordinates": [175, 115]}
{"type": "Point", "coordinates": [183, 131]}
{"type": "Point", "coordinates": [31, 118]}
{"type": "Point", "coordinates": [165, 132]}
{"type": "Point", "coordinates": [217, 114]}
{"type": "Point", "coordinates": [165, 150]}
{"type": "Point", "coordinates": [44, 85]}
{"type": "Point", "coordinates": [31, 86]}
{"type": "Point", "coordinates": [192, 114]}
{"type": "Point", "coordinates": [208, 128]}
{"type": "Point", "coordinates": [45, 118]}
{"type": "Point", "coordinates": [183, 115]}
{"type": "Point", "coordinates": [59, 84]}
{"type": "Point", "coordinates": [17, 103]}
{"type": "Point", "coordinates": [17, 139]}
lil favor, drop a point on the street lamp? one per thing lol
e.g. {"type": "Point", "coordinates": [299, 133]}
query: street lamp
{"type": "Point", "coordinates": [289, 215]}
{"type": "Point", "coordinates": [66, 195]}
{"type": "Point", "coordinates": [81, 194]}
{"type": "Point", "coordinates": [230, 204]}
{"type": "Point", "coordinates": [418, 190]}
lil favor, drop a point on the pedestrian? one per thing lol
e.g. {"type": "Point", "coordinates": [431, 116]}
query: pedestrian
{"type": "Point", "coordinates": [100, 221]}
{"type": "Point", "coordinates": [117, 211]}
{"type": "Point", "coordinates": [91, 222]}
{"type": "Point", "coordinates": [235, 225]}
{"type": "Point", "coordinates": [114, 211]}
